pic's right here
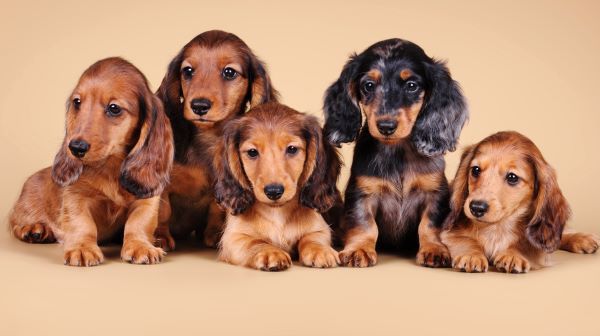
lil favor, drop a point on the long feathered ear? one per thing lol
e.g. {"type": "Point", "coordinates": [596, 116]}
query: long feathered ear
{"type": "Point", "coordinates": [444, 113]}
{"type": "Point", "coordinates": [551, 212]}
{"type": "Point", "coordinates": [460, 188]}
{"type": "Point", "coordinates": [321, 169]}
{"type": "Point", "coordinates": [343, 118]}
{"type": "Point", "coordinates": [169, 91]}
{"type": "Point", "coordinates": [232, 189]}
{"type": "Point", "coordinates": [146, 170]}
{"type": "Point", "coordinates": [261, 89]}
{"type": "Point", "coordinates": [65, 169]}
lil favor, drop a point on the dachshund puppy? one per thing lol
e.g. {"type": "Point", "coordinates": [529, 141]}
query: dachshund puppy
{"type": "Point", "coordinates": [397, 194]}
{"type": "Point", "coordinates": [275, 175]}
{"type": "Point", "coordinates": [506, 207]}
{"type": "Point", "coordinates": [108, 174]}
{"type": "Point", "coordinates": [213, 79]}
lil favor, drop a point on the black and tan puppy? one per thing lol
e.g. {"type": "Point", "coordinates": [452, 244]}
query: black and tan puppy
{"type": "Point", "coordinates": [507, 209]}
{"type": "Point", "coordinates": [397, 190]}
{"type": "Point", "coordinates": [275, 175]}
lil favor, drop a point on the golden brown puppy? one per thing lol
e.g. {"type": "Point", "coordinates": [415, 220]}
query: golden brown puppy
{"type": "Point", "coordinates": [214, 78]}
{"type": "Point", "coordinates": [507, 209]}
{"type": "Point", "coordinates": [108, 174]}
{"type": "Point", "coordinates": [275, 175]}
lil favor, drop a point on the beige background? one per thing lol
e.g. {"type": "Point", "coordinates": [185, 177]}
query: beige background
{"type": "Point", "coordinates": [529, 66]}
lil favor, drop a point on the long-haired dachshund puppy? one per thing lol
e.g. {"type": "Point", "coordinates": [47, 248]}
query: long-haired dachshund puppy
{"type": "Point", "coordinates": [213, 79]}
{"type": "Point", "coordinates": [275, 175]}
{"type": "Point", "coordinates": [506, 207]}
{"type": "Point", "coordinates": [108, 174]}
{"type": "Point", "coordinates": [397, 191]}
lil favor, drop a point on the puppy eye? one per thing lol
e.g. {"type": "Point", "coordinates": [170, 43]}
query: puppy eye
{"type": "Point", "coordinates": [229, 73]}
{"type": "Point", "coordinates": [291, 150]}
{"type": "Point", "coordinates": [187, 72]}
{"type": "Point", "coordinates": [369, 87]}
{"type": "Point", "coordinates": [76, 103]}
{"type": "Point", "coordinates": [113, 110]}
{"type": "Point", "coordinates": [512, 179]}
{"type": "Point", "coordinates": [412, 86]}
{"type": "Point", "coordinates": [252, 153]}
{"type": "Point", "coordinates": [475, 171]}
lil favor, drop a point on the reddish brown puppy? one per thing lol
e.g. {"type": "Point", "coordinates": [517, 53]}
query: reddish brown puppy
{"type": "Point", "coordinates": [214, 79]}
{"type": "Point", "coordinates": [507, 209]}
{"type": "Point", "coordinates": [275, 175]}
{"type": "Point", "coordinates": [108, 174]}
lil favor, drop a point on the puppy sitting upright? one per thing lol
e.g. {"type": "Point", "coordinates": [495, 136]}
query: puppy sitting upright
{"type": "Point", "coordinates": [507, 208]}
{"type": "Point", "coordinates": [275, 174]}
{"type": "Point", "coordinates": [397, 195]}
{"type": "Point", "coordinates": [114, 162]}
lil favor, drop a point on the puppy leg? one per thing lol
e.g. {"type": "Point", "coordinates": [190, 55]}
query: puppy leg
{"type": "Point", "coordinates": [511, 261]}
{"type": "Point", "coordinates": [467, 254]}
{"type": "Point", "coordinates": [80, 233]}
{"type": "Point", "coordinates": [139, 230]}
{"type": "Point", "coordinates": [315, 247]}
{"type": "Point", "coordinates": [214, 226]}
{"type": "Point", "coordinates": [432, 253]}
{"type": "Point", "coordinates": [578, 242]}
{"type": "Point", "coordinates": [162, 234]}
{"type": "Point", "coordinates": [360, 231]}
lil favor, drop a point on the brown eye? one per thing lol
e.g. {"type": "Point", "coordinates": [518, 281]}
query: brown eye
{"type": "Point", "coordinates": [229, 73]}
{"type": "Point", "coordinates": [187, 72]}
{"type": "Point", "coordinates": [113, 110]}
{"type": "Point", "coordinates": [369, 87]}
{"type": "Point", "coordinates": [512, 179]}
{"type": "Point", "coordinates": [412, 86]}
{"type": "Point", "coordinates": [475, 171]}
{"type": "Point", "coordinates": [252, 153]}
{"type": "Point", "coordinates": [291, 150]}
{"type": "Point", "coordinates": [76, 103]}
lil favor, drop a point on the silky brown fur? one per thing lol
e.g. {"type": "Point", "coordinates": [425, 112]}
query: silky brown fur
{"type": "Point", "coordinates": [260, 232]}
{"type": "Point", "coordinates": [524, 221]}
{"type": "Point", "coordinates": [81, 201]}
{"type": "Point", "coordinates": [188, 204]}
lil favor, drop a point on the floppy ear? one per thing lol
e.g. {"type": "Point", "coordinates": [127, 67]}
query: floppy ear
{"type": "Point", "coordinates": [551, 212]}
{"type": "Point", "coordinates": [261, 89]}
{"type": "Point", "coordinates": [443, 115]}
{"type": "Point", "coordinates": [65, 169]}
{"type": "Point", "coordinates": [321, 169]}
{"type": "Point", "coordinates": [232, 189]}
{"type": "Point", "coordinates": [146, 170]}
{"type": "Point", "coordinates": [460, 188]}
{"type": "Point", "coordinates": [342, 113]}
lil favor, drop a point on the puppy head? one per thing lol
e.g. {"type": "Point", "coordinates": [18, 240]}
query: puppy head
{"type": "Point", "coordinates": [403, 94]}
{"type": "Point", "coordinates": [113, 113]}
{"type": "Point", "coordinates": [213, 78]}
{"type": "Point", "coordinates": [505, 176]}
{"type": "Point", "coordinates": [271, 155]}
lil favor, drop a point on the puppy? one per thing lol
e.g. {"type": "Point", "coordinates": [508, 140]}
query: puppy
{"type": "Point", "coordinates": [213, 79]}
{"type": "Point", "coordinates": [108, 174]}
{"type": "Point", "coordinates": [275, 175]}
{"type": "Point", "coordinates": [397, 194]}
{"type": "Point", "coordinates": [507, 209]}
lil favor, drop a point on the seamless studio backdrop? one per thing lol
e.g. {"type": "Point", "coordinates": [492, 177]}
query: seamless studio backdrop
{"type": "Point", "coordinates": [526, 66]}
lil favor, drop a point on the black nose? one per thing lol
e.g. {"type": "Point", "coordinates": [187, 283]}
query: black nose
{"type": "Point", "coordinates": [79, 148]}
{"type": "Point", "coordinates": [274, 191]}
{"type": "Point", "coordinates": [387, 127]}
{"type": "Point", "coordinates": [200, 106]}
{"type": "Point", "coordinates": [478, 208]}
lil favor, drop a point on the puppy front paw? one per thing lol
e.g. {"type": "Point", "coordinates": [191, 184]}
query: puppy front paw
{"type": "Point", "coordinates": [141, 252]}
{"type": "Point", "coordinates": [433, 255]}
{"type": "Point", "coordinates": [83, 255]}
{"type": "Point", "coordinates": [511, 262]}
{"type": "Point", "coordinates": [163, 239]}
{"type": "Point", "coordinates": [38, 233]}
{"type": "Point", "coordinates": [319, 256]}
{"type": "Point", "coordinates": [583, 243]}
{"type": "Point", "coordinates": [471, 263]}
{"type": "Point", "coordinates": [364, 256]}
{"type": "Point", "coordinates": [271, 259]}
